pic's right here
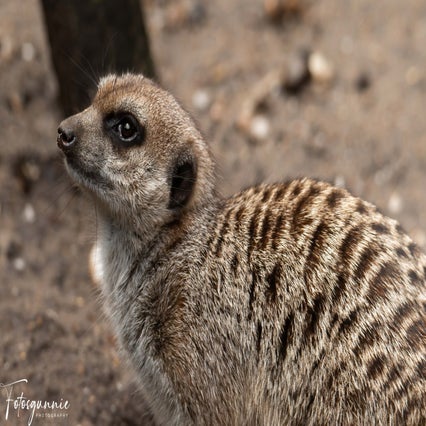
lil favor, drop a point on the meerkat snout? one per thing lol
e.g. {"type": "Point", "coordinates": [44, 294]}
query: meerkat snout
{"type": "Point", "coordinates": [286, 304]}
{"type": "Point", "coordinates": [66, 138]}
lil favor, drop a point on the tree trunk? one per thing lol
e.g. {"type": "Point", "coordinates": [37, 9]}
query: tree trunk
{"type": "Point", "coordinates": [91, 38]}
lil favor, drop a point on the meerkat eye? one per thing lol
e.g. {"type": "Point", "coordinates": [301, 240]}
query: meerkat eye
{"type": "Point", "coordinates": [125, 129]}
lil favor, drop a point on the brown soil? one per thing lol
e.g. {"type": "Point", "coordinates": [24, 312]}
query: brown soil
{"type": "Point", "coordinates": [363, 128]}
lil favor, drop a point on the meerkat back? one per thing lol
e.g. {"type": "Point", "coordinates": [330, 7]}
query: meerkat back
{"type": "Point", "coordinates": [292, 303]}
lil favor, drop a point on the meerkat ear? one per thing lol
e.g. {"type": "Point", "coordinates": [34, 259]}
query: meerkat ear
{"type": "Point", "coordinates": [182, 182]}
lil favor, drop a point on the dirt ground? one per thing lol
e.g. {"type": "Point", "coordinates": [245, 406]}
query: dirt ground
{"type": "Point", "coordinates": [356, 119]}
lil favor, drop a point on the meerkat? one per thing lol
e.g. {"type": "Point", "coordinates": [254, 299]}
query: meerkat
{"type": "Point", "coordinates": [286, 304]}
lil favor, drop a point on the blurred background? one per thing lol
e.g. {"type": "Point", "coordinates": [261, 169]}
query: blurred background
{"type": "Point", "coordinates": [330, 89]}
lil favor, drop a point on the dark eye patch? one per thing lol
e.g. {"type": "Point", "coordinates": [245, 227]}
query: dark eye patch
{"type": "Point", "coordinates": [124, 129]}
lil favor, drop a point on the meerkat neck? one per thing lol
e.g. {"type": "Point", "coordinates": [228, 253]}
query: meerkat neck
{"type": "Point", "coordinates": [139, 240]}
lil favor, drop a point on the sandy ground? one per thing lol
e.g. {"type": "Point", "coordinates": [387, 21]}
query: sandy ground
{"type": "Point", "coordinates": [358, 122]}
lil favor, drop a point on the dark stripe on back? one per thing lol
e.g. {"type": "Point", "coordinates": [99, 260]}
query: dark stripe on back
{"type": "Point", "coordinates": [252, 291]}
{"type": "Point", "coordinates": [239, 215]}
{"type": "Point", "coordinates": [258, 337]}
{"type": "Point", "coordinates": [339, 288]}
{"type": "Point", "coordinates": [332, 323]}
{"type": "Point", "coordinates": [222, 231]}
{"type": "Point", "coordinates": [273, 279]}
{"type": "Point", "coordinates": [416, 334]}
{"type": "Point", "coordinates": [350, 244]}
{"type": "Point", "coordinates": [234, 263]}
{"type": "Point", "coordinates": [286, 336]}
{"type": "Point", "coordinates": [334, 197]}
{"type": "Point", "coordinates": [297, 189]}
{"type": "Point", "coordinates": [349, 321]}
{"type": "Point", "coordinates": [414, 250]}
{"type": "Point", "coordinates": [266, 226]}
{"type": "Point", "coordinates": [401, 253]}
{"type": "Point", "coordinates": [267, 192]}
{"type": "Point", "coordinates": [421, 369]}
{"type": "Point", "coordinates": [299, 214]}
{"type": "Point", "coordinates": [309, 406]}
{"type": "Point", "coordinates": [393, 375]}
{"type": "Point", "coordinates": [361, 207]}
{"type": "Point", "coordinates": [313, 315]}
{"type": "Point", "coordinates": [402, 313]}
{"type": "Point", "coordinates": [400, 230]}
{"type": "Point", "coordinates": [277, 231]}
{"type": "Point", "coordinates": [367, 338]}
{"type": "Point", "coordinates": [415, 278]}
{"type": "Point", "coordinates": [252, 230]}
{"type": "Point", "coordinates": [317, 362]}
{"type": "Point", "coordinates": [380, 285]}
{"type": "Point", "coordinates": [318, 242]}
{"type": "Point", "coordinates": [380, 228]}
{"type": "Point", "coordinates": [365, 263]}
{"type": "Point", "coordinates": [279, 195]}
{"type": "Point", "coordinates": [375, 368]}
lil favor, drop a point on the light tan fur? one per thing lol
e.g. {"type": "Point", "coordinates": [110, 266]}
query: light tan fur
{"type": "Point", "coordinates": [292, 303]}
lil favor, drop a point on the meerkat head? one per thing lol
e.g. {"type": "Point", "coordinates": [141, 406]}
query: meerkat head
{"type": "Point", "coordinates": [138, 152]}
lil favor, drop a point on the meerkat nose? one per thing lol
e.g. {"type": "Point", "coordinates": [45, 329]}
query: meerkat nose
{"type": "Point", "coordinates": [66, 137]}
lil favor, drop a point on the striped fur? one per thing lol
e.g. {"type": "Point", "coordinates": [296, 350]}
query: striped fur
{"type": "Point", "coordinates": [292, 304]}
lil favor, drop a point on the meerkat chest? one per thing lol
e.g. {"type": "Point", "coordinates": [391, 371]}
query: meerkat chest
{"type": "Point", "coordinates": [111, 269]}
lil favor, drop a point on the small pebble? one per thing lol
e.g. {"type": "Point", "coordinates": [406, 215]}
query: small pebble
{"type": "Point", "coordinates": [320, 68]}
{"type": "Point", "coordinates": [339, 181]}
{"type": "Point", "coordinates": [29, 213]}
{"type": "Point", "coordinates": [395, 203]}
{"type": "Point", "coordinates": [201, 100]}
{"type": "Point", "coordinates": [28, 52]}
{"type": "Point", "coordinates": [19, 264]}
{"type": "Point", "coordinates": [259, 127]}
